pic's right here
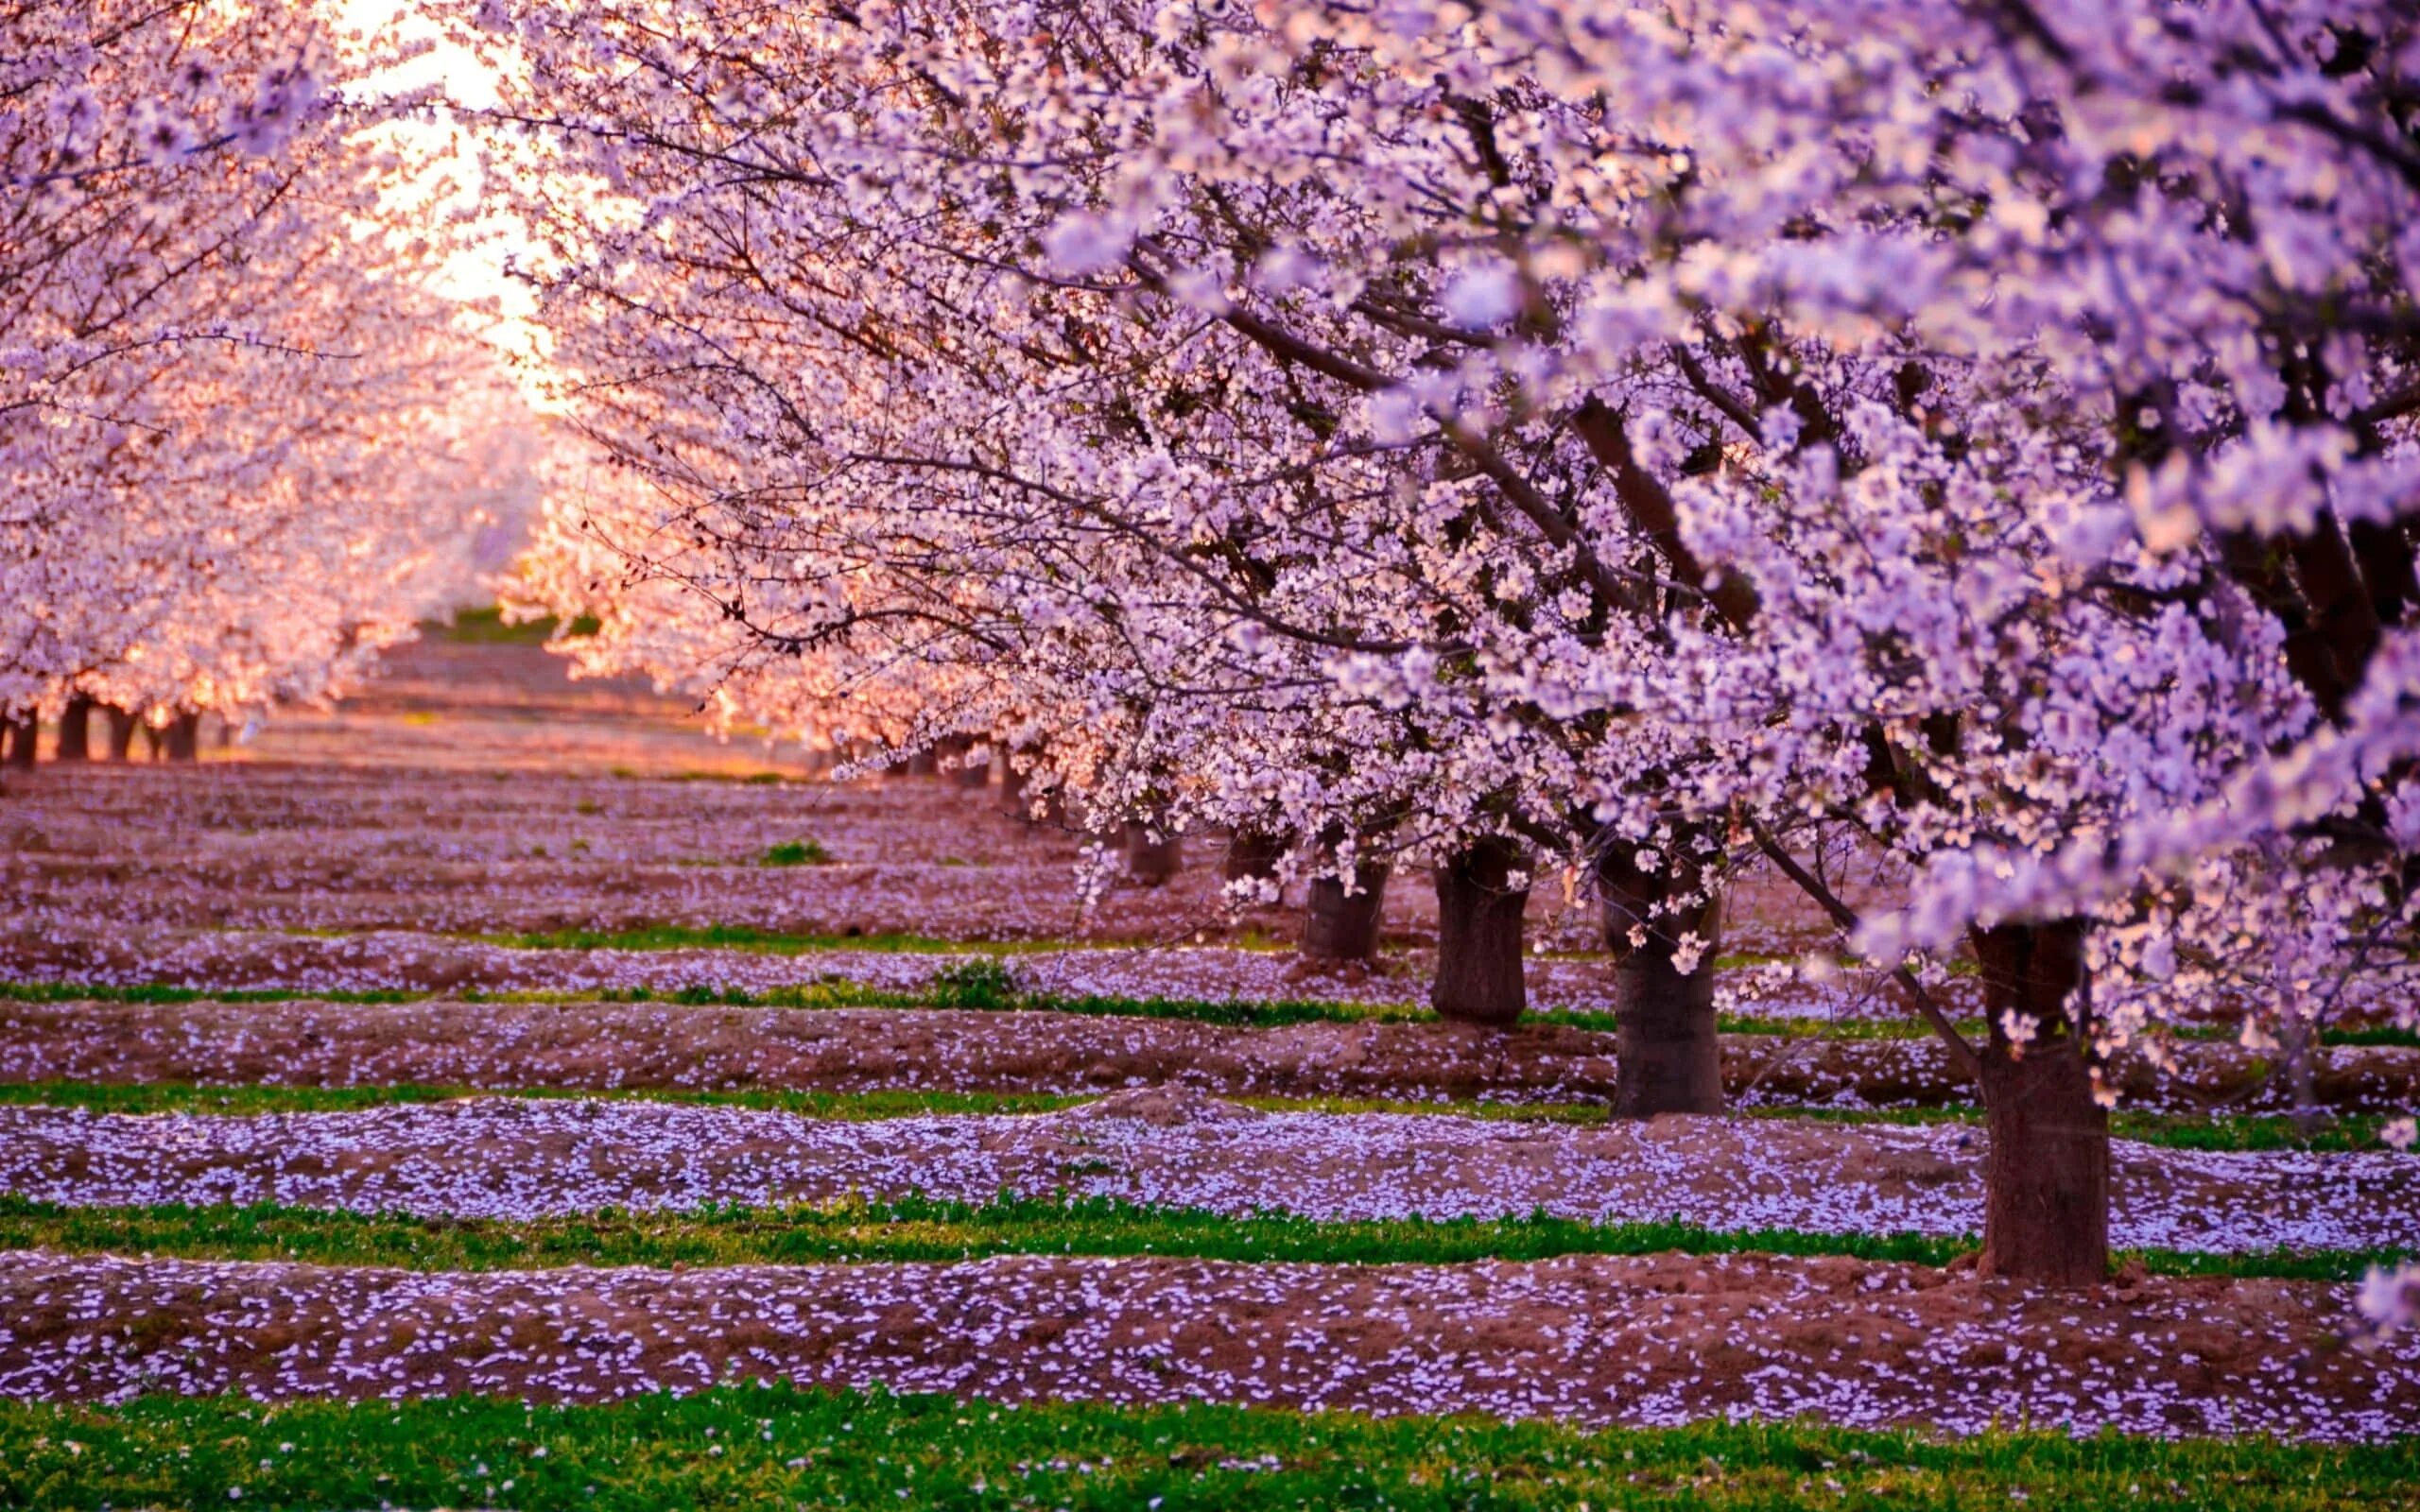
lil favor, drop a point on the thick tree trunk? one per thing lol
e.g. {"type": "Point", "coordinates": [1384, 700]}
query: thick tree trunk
{"type": "Point", "coordinates": [1149, 860]}
{"type": "Point", "coordinates": [122, 726]}
{"type": "Point", "coordinates": [1341, 926]}
{"type": "Point", "coordinates": [76, 730]}
{"type": "Point", "coordinates": [1669, 1057]}
{"type": "Point", "coordinates": [20, 736]}
{"type": "Point", "coordinates": [1479, 937]}
{"type": "Point", "coordinates": [2046, 1173]}
{"type": "Point", "coordinates": [183, 738]}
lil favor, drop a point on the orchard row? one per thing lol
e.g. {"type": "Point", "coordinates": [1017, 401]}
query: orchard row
{"type": "Point", "coordinates": [1551, 444]}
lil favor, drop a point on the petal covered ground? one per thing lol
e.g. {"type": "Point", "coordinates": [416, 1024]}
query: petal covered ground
{"type": "Point", "coordinates": [1642, 1340]}
{"type": "Point", "coordinates": [375, 850]}
{"type": "Point", "coordinates": [507, 1158]}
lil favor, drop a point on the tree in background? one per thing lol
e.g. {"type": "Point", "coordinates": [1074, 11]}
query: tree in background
{"type": "Point", "coordinates": [239, 429]}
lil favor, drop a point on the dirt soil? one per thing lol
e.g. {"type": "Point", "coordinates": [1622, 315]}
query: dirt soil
{"type": "Point", "coordinates": [1648, 1340]}
{"type": "Point", "coordinates": [473, 789]}
{"type": "Point", "coordinates": [604, 1045]}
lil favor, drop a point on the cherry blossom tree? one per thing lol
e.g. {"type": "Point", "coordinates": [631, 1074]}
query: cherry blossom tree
{"type": "Point", "coordinates": [1195, 579]}
{"type": "Point", "coordinates": [1628, 439]}
{"type": "Point", "coordinates": [233, 418]}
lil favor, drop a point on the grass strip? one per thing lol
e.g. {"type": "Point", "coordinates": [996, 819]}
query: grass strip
{"type": "Point", "coordinates": [252, 1098]}
{"type": "Point", "coordinates": [951, 989]}
{"type": "Point", "coordinates": [985, 986]}
{"type": "Point", "coordinates": [2352, 1132]}
{"type": "Point", "coordinates": [487, 626]}
{"type": "Point", "coordinates": [2339, 1133]}
{"type": "Point", "coordinates": [924, 1229]}
{"type": "Point", "coordinates": [162, 993]}
{"type": "Point", "coordinates": [763, 1445]}
{"type": "Point", "coordinates": [757, 941]}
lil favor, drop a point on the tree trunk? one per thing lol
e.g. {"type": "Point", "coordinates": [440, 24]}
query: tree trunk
{"type": "Point", "coordinates": [950, 756]}
{"type": "Point", "coordinates": [1018, 789]}
{"type": "Point", "coordinates": [974, 773]}
{"type": "Point", "coordinates": [2046, 1172]}
{"type": "Point", "coordinates": [75, 729]}
{"type": "Point", "coordinates": [1479, 937]}
{"type": "Point", "coordinates": [1015, 800]}
{"type": "Point", "coordinates": [1252, 854]}
{"type": "Point", "coordinates": [2301, 1050]}
{"type": "Point", "coordinates": [1345, 927]}
{"type": "Point", "coordinates": [122, 725]}
{"type": "Point", "coordinates": [1669, 1057]}
{"type": "Point", "coordinates": [20, 733]}
{"type": "Point", "coordinates": [1149, 861]}
{"type": "Point", "coordinates": [183, 737]}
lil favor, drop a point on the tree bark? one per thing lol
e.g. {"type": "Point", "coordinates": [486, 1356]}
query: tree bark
{"type": "Point", "coordinates": [1341, 926]}
{"type": "Point", "coordinates": [1479, 937]}
{"type": "Point", "coordinates": [950, 755]}
{"type": "Point", "coordinates": [122, 726]}
{"type": "Point", "coordinates": [2299, 1044]}
{"type": "Point", "coordinates": [2046, 1172]}
{"type": "Point", "coordinates": [1149, 861]}
{"type": "Point", "coordinates": [20, 733]}
{"type": "Point", "coordinates": [1017, 789]}
{"type": "Point", "coordinates": [1014, 799]}
{"type": "Point", "coordinates": [1669, 1057]}
{"type": "Point", "coordinates": [76, 730]}
{"type": "Point", "coordinates": [1253, 854]}
{"type": "Point", "coordinates": [183, 738]}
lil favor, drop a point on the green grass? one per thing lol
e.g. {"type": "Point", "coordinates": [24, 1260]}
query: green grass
{"type": "Point", "coordinates": [2185, 1131]}
{"type": "Point", "coordinates": [920, 1230]}
{"type": "Point", "coordinates": [795, 854]}
{"type": "Point", "coordinates": [251, 1099]}
{"type": "Point", "coordinates": [963, 984]}
{"type": "Point", "coordinates": [155, 992]}
{"type": "Point", "coordinates": [486, 626]}
{"type": "Point", "coordinates": [978, 984]}
{"type": "Point", "coordinates": [778, 1446]}
{"type": "Point", "coordinates": [765, 941]}
{"type": "Point", "coordinates": [2336, 1133]}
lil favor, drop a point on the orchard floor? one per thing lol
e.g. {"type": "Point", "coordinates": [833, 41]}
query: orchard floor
{"type": "Point", "coordinates": [473, 1037]}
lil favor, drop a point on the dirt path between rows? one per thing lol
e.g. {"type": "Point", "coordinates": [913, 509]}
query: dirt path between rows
{"type": "Point", "coordinates": [604, 1046]}
{"type": "Point", "coordinates": [1646, 1340]}
{"type": "Point", "coordinates": [518, 1159]}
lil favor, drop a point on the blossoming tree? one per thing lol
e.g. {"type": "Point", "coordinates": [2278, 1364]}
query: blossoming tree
{"type": "Point", "coordinates": [234, 421]}
{"type": "Point", "coordinates": [1629, 439]}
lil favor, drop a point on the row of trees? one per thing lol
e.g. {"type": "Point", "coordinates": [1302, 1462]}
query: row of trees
{"type": "Point", "coordinates": [1556, 436]}
{"type": "Point", "coordinates": [238, 432]}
